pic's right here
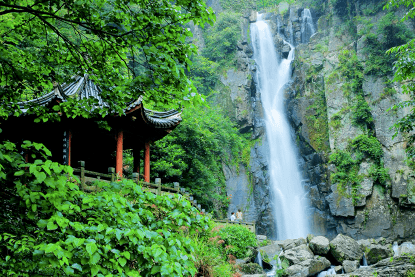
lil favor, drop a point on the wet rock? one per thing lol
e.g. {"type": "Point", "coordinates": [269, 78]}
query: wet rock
{"type": "Point", "coordinates": [345, 248]}
{"type": "Point", "coordinates": [291, 243]}
{"type": "Point", "coordinates": [406, 248]}
{"type": "Point", "coordinates": [338, 269]}
{"type": "Point", "coordinates": [251, 268]}
{"type": "Point", "coordinates": [350, 266]}
{"type": "Point", "coordinates": [320, 245]}
{"type": "Point", "coordinates": [339, 204]}
{"type": "Point", "coordinates": [396, 267]}
{"type": "Point", "coordinates": [298, 254]}
{"type": "Point", "coordinates": [286, 50]}
{"type": "Point", "coordinates": [375, 253]}
{"type": "Point", "coordinates": [316, 265]}
{"type": "Point", "coordinates": [271, 251]}
{"type": "Point", "coordinates": [253, 17]}
{"type": "Point", "coordinates": [297, 270]}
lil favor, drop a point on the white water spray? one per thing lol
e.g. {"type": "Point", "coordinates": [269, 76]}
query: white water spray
{"type": "Point", "coordinates": [287, 193]}
{"type": "Point", "coordinates": [307, 26]}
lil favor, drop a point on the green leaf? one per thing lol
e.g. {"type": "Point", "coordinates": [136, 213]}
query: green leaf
{"type": "Point", "coordinates": [95, 258]}
{"type": "Point", "coordinates": [122, 261]}
{"type": "Point", "coordinates": [91, 248]}
{"type": "Point", "coordinates": [126, 254]}
{"type": "Point", "coordinates": [52, 226]}
{"type": "Point", "coordinates": [155, 269]}
{"type": "Point", "coordinates": [19, 173]}
{"type": "Point", "coordinates": [77, 266]}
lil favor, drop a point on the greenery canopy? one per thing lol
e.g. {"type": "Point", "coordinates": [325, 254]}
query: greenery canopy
{"type": "Point", "coordinates": [129, 48]}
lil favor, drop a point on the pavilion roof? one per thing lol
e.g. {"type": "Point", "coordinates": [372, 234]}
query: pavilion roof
{"type": "Point", "coordinates": [82, 88]}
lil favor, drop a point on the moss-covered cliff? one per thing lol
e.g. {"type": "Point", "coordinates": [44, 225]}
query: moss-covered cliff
{"type": "Point", "coordinates": [338, 103]}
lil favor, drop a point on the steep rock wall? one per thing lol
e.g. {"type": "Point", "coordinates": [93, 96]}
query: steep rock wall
{"type": "Point", "coordinates": [321, 113]}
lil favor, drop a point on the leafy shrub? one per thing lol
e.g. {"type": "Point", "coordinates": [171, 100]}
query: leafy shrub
{"type": "Point", "coordinates": [49, 227]}
{"type": "Point", "coordinates": [237, 240]}
{"type": "Point", "coordinates": [193, 155]}
{"type": "Point", "coordinates": [222, 38]}
{"type": "Point", "coordinates": [362, 115]}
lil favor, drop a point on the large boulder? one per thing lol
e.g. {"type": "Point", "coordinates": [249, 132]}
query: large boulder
{"type": "Point", "coordinates": [290, 243]}
{"type": "Point", "coordinates": [316, 265]}
{"type": "Point", "coordinates": [309, 267]}
{"type": "Point", "coordinates": [396, 267]}
{"type": "Point", "coordinates": [376, 252]}
{"type": "Point", "coordinates": [320, 245]}
{"type": "Point", "coordinates": [345, 248]}
{"type": "Point", "coordinates": [251, 268]}
{"type": "Point", "coordinates": [298, 254]}
{"type": "Point", "coordinates": [271, 251]}
{"type": "Point", "coordinates": [297, 270]}
{"type": "Point", "coordinates": [406, 248]}
{"type": "Point", "coordinates": [350, 266]}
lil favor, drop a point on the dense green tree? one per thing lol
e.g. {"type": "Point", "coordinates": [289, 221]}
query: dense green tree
{"type": "Point", "coordinates": [194, 155]}
{"type": "Point", "coordinates": [129, 48]}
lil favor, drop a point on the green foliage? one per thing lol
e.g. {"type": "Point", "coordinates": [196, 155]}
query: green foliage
{"type": "Point", "coordinates": [129, 48]}
{"type": "Point", "coordinates": [361, 112]}
{"type": "Point", "coordinates": [237, 240]}
{"type": "Point", "coordinates": [405, 75]}
{"type": "Point", "coordinates": [193, 155]}
{"type": "Point", "coordinates": [352, 70]}
{"type": "Point", "coordinates": [49, 227]}
{"type": "Point", "coordinates": [237, 6]}
{"type": "Point", "coordinates": [221, 39]}
{"type": "Point", "coordinates": [318, 123]}
{"type": "Point", "coordinates": [347, 162]}
{"type": "Point", "coordinates": [283, 265]}
{"type": "Point", "coordinates": [392, 33]}
{"type": "Point", "coordinates": [203, 74]}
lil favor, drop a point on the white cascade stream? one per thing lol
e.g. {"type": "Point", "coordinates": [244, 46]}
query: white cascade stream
{"type": "Point", "coordinates": [307, 26]}
{"type": "Point", "coordinates": [286, 190]}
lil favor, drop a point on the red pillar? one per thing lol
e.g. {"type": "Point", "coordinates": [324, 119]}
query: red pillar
{"type": "Point", "coordinates": [118, 159]}
{"type": "Point", "coordinates": [69, 148]}
{"type": "Point", "coordinates": [147, 162]}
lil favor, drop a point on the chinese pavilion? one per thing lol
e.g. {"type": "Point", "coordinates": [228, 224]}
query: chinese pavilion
{"type": "Point", "coordinates": [76, 139]}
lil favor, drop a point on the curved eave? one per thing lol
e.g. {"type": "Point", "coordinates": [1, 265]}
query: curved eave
{"type": "Point", "coordinates": [164, 120]}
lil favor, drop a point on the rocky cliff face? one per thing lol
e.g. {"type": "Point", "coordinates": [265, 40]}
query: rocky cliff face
{"type": "Point", "coordinates": [322, 107]}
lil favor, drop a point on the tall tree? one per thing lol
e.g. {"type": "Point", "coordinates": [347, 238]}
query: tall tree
{"type": "Point", "coordinates": [129, 48]}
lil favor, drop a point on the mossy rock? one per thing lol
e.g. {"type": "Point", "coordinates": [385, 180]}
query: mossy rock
{"type": "Point", "coordinates": [251, 268]}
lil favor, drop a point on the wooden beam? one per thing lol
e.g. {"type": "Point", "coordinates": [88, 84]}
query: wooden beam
{"type": "Point", "coordinates": [118, 159]}
{"type": "Point", "coordinates": [147, 162]}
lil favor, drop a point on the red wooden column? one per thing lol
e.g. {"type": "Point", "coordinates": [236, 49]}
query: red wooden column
{"type": "Point", "coordinates": [118, 159]}
{"type": "Point", "coordinates": [147, 162]}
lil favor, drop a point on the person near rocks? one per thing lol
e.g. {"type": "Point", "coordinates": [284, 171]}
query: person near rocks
{"type": "Point", "coordinates": [233, 217]}
{"type": "Point", "coordinates": [239, 215]}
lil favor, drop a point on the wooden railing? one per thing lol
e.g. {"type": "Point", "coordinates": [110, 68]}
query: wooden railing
{"type": "Point", "coordinates": [156, 188]}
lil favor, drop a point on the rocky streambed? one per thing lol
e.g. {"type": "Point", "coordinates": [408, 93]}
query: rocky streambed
{"type": "Point", "coordinates": [342, 256]}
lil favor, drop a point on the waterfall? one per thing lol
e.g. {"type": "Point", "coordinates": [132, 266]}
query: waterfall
{"type": "Point", "coordinates": [258, 259]}
{"type": "Point", "coordinates": [330, 272]}
{"type": "Point", "coordinates": [364, 260]}
{"type": "Point", "coordinates": [307, 26]}
{"type": "Point", "coordinates": [287, 193]}
{"type": "Point", "coordinates": [395, 248]}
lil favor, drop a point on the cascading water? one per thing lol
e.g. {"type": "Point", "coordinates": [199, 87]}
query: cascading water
{"type": "Point", "coordinates": [287, 193]}
{"type": "Point", "coordinates": [307, 26]}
